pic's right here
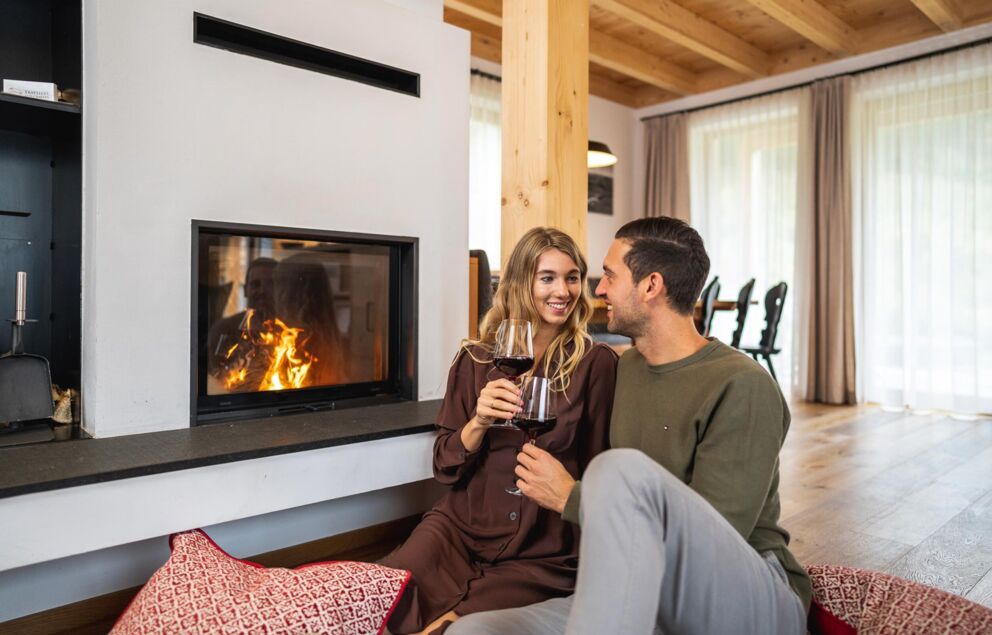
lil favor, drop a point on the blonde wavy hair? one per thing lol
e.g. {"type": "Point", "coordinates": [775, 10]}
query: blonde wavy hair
{"type": "Point", "coordinates": [514, 298]}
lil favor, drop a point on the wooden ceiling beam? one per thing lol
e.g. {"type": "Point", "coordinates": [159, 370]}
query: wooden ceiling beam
{"type": "Point", "coordinates": [675, 23]}
{"type": "Point", "coordinates": [490, 11]}
{"type": "Point", "coordinates": [604, 50]}
{"type": "Point", "coordinates": [810, 19]}
{"type": "Point", "coordinates": [613, 91]}
{"type": "Point", "coordinates": [617, 55]}
{"type": "Point", "coordinates": [944, 13]}
{"type": "Point", "coordinates": [490, 49]}
{"type": "Point", "coordinates": [487, 48]}
{"type": "Point", "coordinates": [651, 96]}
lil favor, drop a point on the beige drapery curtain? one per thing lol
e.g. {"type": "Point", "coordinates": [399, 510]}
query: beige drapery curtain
{"type": "Point", "coordinates": [667, 189]}
{"type": "Point", "coordinates": [827, 267]}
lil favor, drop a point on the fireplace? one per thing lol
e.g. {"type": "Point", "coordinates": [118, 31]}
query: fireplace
{"type": "Point", "coordinates": [290, 320]}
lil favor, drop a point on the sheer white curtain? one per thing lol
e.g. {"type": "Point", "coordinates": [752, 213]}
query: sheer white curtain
{"type": "Point", "coordinates": [921, 139]}
{"type": "Point", "coordinates": [484, 184]}
{"type": "Point", "coordinates": [744, 190]}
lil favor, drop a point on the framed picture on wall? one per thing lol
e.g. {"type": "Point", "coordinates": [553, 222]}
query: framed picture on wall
{"type": "Point", "coordinates": [601, 190]}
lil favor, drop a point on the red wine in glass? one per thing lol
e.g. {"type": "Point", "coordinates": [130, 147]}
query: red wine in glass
{"type": "Point", "coordinates": [513, 367]}
{"type": "Point", "coordinates": [535, 427]}
{"type": "Point", "coordinates": [513, 354]}
{"type": "Point", "coordinates": [538, 414]}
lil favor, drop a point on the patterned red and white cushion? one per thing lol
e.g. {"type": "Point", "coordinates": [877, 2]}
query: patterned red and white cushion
{"type": "Point", "coordinates": [873, 602]}
{"type": "Point", "coordinates": [202, 589]}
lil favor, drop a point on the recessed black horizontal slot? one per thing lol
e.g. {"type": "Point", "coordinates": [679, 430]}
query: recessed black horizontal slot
{"type": "Point", "coordinates": [268, 46]}
{"type": "Point", "coordinates": [7, 212]}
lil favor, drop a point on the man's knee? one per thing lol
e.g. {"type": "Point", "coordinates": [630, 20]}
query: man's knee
{"type": "Point", "coordinates": [477, 624]}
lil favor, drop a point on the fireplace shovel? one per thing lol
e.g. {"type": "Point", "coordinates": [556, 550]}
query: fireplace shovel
{"type": "Point", "coordinates": [25, 380]}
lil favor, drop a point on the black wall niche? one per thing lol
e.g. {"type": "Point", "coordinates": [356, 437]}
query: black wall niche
{"type": "Point", "coordinates": [40, 180]}
{"type": "Point", "coordinates": [237, 38]}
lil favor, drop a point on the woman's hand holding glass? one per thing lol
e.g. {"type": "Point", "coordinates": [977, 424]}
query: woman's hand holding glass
{"type": "Point", "coordinates": [499, 401]}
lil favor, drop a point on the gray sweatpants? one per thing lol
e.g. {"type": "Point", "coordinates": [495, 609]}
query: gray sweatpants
{"type": "Point", "coordinates": [655, 557]}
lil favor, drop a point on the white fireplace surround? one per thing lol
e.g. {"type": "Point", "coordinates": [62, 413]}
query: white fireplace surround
{"type": "Point", "coordinates": [174, 131]}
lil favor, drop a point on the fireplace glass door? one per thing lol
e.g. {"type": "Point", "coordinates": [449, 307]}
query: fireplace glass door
{"type": "Point", "coordinates": [291, 321]}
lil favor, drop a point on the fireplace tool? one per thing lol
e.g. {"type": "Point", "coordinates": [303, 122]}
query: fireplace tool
{"type": "Point", "coordinates": [25, 380]}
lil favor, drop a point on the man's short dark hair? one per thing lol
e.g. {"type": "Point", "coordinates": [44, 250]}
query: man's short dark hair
{"type": "Point", "coordinates": [260, 262]}
{"type": "Point", "coordinates": [672, 248]}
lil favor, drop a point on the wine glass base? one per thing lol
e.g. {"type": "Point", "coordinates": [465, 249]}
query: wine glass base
{"type": "Point", "coordinates": [509, 425]}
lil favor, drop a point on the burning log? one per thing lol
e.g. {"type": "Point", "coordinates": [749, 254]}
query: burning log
{"type": "Point", "coordinates": [271, 357]}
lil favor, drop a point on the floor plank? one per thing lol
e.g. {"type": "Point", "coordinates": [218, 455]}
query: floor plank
{"type": "Point", "coordinates": [957, 556]}
{"type": "Point", "coordinates": [982, 592]}
{"type": "Point", "coordinates": [902, 493]}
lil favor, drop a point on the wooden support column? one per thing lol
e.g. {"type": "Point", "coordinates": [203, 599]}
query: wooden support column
{"type": "Point", "coordinates": [545, 118]}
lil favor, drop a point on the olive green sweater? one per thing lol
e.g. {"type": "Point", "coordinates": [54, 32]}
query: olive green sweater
{"type": "Point", "coordinates": [716, 420]}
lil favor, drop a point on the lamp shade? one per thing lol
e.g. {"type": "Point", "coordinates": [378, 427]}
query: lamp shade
{"type": "Point", "coordinates": [600, 155]}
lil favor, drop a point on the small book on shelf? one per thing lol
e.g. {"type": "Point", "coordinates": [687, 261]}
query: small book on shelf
{"type": "Point", "coordinates": [36, 90]}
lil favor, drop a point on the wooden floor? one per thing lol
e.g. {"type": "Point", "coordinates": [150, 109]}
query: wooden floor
{"type": "Point", "coordinates": [903, 493]}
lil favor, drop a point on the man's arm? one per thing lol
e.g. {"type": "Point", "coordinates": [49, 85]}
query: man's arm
{"type": "Point", "coordinates": [738, 454]}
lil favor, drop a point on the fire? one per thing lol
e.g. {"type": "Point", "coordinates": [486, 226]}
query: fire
{"type": "Point", "coordinates": [282, 350]}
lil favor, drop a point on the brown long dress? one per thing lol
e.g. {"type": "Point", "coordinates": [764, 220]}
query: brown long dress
{"type": "Point", "coordinates": [481, 548]}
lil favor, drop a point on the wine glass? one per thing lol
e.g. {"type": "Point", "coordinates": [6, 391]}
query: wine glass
{"type": "Point", "coordinates": [513, 354]}
{"type": "Point", "coordinates": [539, 413]}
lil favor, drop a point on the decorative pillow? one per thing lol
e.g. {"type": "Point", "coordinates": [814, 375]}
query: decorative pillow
{"type": "Point", "coordinates": [202, 589]}
{"type": "Point", "coordinates": [870, 602]}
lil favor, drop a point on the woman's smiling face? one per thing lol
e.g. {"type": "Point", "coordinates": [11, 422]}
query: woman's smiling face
{"type": "Point", "coordinates": [557, 286]}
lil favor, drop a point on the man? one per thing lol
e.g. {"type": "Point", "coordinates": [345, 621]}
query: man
{"type": "Point", "coordinates": [680, 520]}
{"type": "Point", "coordinates": [259, 298]}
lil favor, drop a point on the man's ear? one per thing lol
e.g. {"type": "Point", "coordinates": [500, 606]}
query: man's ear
{"type": "Point", "coordinates": [653, 286]}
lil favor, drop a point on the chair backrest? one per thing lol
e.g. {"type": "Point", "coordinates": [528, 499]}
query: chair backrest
{"type": "Point", "coordinates": [774, 301]}
{"type": "Point", "coordinates": [708, 297]}
{"type": "Point", "coordinates": [743, 302]}
{"type": "Point", "coordinates": [484, 280]}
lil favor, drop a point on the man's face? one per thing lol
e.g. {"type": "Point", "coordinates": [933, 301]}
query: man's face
{"type": "Point", "coordinates": [627, 316]}
{"type": "Point", "coordinates": [258, 289]}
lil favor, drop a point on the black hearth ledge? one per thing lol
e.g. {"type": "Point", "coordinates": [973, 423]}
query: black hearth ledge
{"type": "Point", "coordinates": [49, 466]}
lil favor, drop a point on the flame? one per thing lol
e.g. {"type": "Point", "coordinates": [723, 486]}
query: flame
{"type": "Point", "coordinates": [288, 362]}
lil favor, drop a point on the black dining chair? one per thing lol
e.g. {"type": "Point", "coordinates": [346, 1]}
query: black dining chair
{"type": "Point", "coordinates": [708, 297]}
{"type": "Point", "coordinates": [484, 282]}
{"type": "Point", "coordinates": [774, 301]}
{"type": "Point", "coordinates": [743, 302]}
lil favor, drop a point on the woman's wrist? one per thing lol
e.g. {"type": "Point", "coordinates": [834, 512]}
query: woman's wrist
{"type": "Point", "coordinates": [472, 434]}
{"type": "Point", "coordinates": [483, 422]}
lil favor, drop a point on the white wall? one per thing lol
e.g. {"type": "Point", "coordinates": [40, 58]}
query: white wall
{"type": "Point", "coordinates": [616, 126]}
{"type": "Point", "coordinates": [175, 131]}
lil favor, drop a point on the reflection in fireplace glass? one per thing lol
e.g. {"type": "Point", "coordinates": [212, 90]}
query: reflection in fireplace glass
{"type": "Point", "coordinates": [285, 314]}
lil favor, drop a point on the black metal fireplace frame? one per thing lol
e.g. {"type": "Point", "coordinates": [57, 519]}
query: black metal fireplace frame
{"type": "Point", "coordinates": [401, 381]}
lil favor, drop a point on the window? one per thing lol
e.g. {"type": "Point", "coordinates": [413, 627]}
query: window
{"type": "Point", "coordinates": [922, 184]}
{"type": "Point", "coordinates": [484, 181]}
{"type": "Point", "coordinates": [743, 179]}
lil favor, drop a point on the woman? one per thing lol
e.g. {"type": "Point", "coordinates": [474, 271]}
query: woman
{"type": "Point", "coordinates": [481, 548]}
{"type": "Point", "coordinates": [304, 299]}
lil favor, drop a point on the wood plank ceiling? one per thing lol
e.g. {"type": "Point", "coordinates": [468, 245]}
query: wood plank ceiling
{"type": "Point", "coordinates": [644, 52]}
